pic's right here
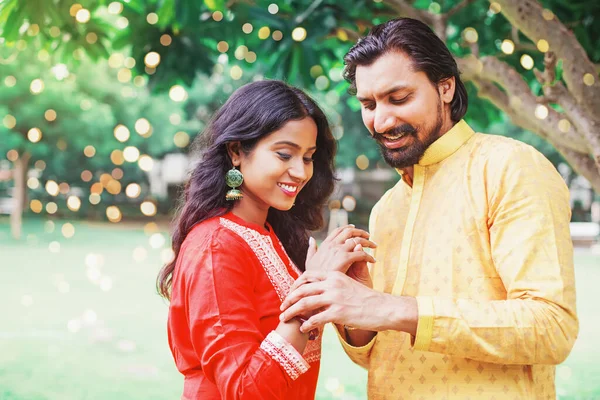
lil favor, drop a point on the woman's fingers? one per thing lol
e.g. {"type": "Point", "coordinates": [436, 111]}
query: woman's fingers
{"type": "Point", "coordinates": [334, 233]}
{"type": "Point", "coordinates": [353, 233]}
{"type": "Point", "coordinates": [312, 248]}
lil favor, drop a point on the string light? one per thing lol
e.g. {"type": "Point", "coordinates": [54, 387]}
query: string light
{"type": "Point", "coordinates": [541, 111]}
{"type": "Point", "coordinates": [50, 115]}
{"type": "Point", "coordinates": [148, 208]}
{"type": "Point", "coordinates": [36, 86]}
{"type": "Point", "coordinates": [277, 36]}
{"type": "Point", "coordinates": [247, 28]}
{"type": "Point", "coordinates": [83, 16]}
{"type": "Point", "coordinates": [264, 32]}
{"type": "Point", "coordinates": [507, 47]}
{"type": "Point", "coordinates": [166, 40]}
{"type": "Point", "coordinates": [527, 61]}
{"type": "Point", "coordinates": [470, 35]}
{"type": "Point", "coordinates": [181, 139]}
{"type": "Point", "coordinates": [152, 59]}
{"type": "Point", "coordinates": [133, 190]}
{"type": "Point", "coordinates": [362, 162]}
{"type": "Point", "coordinates": [121, 133]}
{"type": "Point", "coordinates": [299, 34]}
{"type": "Point", "coordinates": [222, 46]}
{"type": "Point", "coordinates": [34, 135]}
{"type": "Point", "coordinates": [152, 18]}
{"type": "Point", "coordinates": [543, 45]}
{"type": "Point", "coordinates": [588, 79]}
{"type": "Point", "coordinates": [217, 16]}
{"type": "Point", "coordinates": [89, 151]}
{"type": "Point", "coordinates": [177, 93]}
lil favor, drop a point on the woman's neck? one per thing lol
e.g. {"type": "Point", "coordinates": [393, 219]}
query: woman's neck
{"type": "Point", "coordinates": [249, 212]}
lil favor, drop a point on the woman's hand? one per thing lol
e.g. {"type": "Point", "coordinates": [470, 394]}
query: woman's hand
{"type": "Point", "coordinates": [342, 248]}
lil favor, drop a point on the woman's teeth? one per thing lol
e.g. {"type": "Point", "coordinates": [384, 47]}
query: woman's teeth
{"type": "Point", "coordinates": [287, 187]}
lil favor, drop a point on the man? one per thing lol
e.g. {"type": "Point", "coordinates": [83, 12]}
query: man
{"type": "Point", "coordinates": [472, 293]}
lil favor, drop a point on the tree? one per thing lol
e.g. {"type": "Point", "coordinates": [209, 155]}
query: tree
{"type": "Point", "coordinates": [76, 125]}
{"type": "Point", "coordinates": [496, 44]}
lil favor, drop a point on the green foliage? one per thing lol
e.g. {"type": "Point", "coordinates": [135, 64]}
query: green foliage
{"type": "Point", "coordinates": [195, 29]}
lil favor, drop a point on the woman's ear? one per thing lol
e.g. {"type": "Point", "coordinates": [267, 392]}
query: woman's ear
{"type": "Point", "coordinates": [234, 151]}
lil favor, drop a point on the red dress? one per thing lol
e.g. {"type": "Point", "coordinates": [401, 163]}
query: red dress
{"type": "Point", "coordinates": [229, 281]}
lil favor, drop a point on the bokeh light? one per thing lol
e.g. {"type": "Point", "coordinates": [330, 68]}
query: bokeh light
{"type": "Point", "coordinates": [362, 162]}
{"type": "Point", "coordinates": [299, 34]}
{"type": "Point", "coordinates": [34, 135]}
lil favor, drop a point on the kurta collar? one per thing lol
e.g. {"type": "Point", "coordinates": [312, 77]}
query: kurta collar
{"type": "Point", "coordinates": [447, 144]}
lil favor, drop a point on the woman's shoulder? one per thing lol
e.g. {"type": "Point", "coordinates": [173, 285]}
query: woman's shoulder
{"type": "Point", "coordinates": [212, 233]}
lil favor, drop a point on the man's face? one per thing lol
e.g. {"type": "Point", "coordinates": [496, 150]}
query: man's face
{"type": "Point", "coordinates": [402, 109]}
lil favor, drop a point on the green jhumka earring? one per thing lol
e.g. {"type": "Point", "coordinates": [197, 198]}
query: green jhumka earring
{"type": "Point", "coordinates": [233, 179]}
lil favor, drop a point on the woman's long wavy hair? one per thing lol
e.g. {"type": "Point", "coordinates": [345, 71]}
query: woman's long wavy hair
{"type": "Point", "coordinates": [253, 112]}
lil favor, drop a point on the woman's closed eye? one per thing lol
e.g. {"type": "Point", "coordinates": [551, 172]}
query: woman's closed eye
{"type": "Point", "coordinates": [284, 156]}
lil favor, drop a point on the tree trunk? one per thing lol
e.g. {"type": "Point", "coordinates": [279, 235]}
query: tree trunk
{"type": "Point", "coordinates": [21, 166]}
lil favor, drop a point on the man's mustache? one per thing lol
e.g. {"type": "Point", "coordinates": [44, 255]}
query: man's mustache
{"type": "Point", "coordinates": [406, 129]}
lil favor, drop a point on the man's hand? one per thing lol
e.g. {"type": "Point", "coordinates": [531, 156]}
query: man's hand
{"type": "Point", "coordinates": [342, 300]}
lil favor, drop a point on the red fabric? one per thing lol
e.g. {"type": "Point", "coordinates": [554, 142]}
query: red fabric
{"type": "Point", "coordinates": [223, 305]}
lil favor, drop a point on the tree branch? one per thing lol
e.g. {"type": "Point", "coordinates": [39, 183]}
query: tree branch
{"type": "Point", "coordinates": [352, 35]}
{"type": "Point", "coordinates": [406, 9]}
{"type": "Point", "coordinates": [583, 165]}
{"type": "Point", "coordinates": [522, 102]}
{"type": "Point", "coordinates": [581, 162]}
{"type": "Point", "coordinates": [457, 8]}
{"type": "Point", "coordinates": [586, 126]}
{"type": "Point", "coordinates": [300, 18]}
{"type": "Point", "coordinates": [526, 15]}
{"type": "Point", "coordinates": [547, 77]}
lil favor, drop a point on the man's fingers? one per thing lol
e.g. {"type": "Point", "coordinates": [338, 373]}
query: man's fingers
{"type": "Point", "coordinates": [302, 290]}
{"type": "Point", "coordinates": [317, 321]}
{"type": "Point", "coordinates": [308, 277]}
{"type": "Point", "coordinates": [304, 306]}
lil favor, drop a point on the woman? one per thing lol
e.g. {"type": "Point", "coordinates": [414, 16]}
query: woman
{"type": "Point", "coordinates": [240, 241]}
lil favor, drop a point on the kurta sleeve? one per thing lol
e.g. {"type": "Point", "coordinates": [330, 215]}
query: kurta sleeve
{"type": "Point", "coordinates": [362, 355]}
{"type": "Point", "coordinates": [528, 220]}
{"type": "Point", "coordinates": [224, 325]}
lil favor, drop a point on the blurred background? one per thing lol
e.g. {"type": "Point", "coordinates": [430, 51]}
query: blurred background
{"type": "Point", "coordinates": [100, 101]}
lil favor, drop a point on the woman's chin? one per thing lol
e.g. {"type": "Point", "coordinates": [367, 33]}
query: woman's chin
{"type": "Point", "coordinates": [283, 206]}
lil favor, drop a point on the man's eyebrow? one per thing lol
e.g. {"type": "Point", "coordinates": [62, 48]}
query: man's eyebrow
{"type": "Point", "coordinates": [292, 144]}
{"type": "Point", "coordinates": [387, 92]}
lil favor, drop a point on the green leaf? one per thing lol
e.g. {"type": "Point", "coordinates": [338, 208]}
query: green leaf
{"type": "Point", "coordinates": [215, 5]}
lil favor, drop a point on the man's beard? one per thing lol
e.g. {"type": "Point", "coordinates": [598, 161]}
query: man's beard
{"type": "Point", "coordinates": [409, 155]}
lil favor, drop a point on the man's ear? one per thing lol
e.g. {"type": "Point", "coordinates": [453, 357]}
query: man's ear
{"type": "Point", "coordinates": [234, 151]}
{"type": "Point", "coordinates": [446, 89]}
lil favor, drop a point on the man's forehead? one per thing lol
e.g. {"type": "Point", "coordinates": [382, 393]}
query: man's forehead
{"type": "Point", "coordinates": [389, 73]}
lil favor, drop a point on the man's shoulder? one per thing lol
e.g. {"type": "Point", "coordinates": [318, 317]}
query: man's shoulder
{"type": "Point", "coordinates": [500, 150]}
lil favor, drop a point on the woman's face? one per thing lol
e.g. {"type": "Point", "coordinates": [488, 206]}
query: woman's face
{"type": "Point", "coordinates": [279, 166]}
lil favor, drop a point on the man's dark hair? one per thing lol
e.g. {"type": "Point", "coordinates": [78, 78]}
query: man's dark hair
{"type": "Point", "coordinates": [415, 39]}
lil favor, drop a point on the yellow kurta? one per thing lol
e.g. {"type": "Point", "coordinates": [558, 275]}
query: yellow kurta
{"type": "Point", "coordinates": [482, 241]}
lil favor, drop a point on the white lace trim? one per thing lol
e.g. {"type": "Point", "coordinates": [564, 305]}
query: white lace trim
{"type": "Point", "coordinates": [285, 354]}
{"type": "Point", "coordinates": [276, 271]}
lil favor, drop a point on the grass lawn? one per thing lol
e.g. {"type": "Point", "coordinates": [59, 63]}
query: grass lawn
{"type": "Point", "coordinates": [81, 320]}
